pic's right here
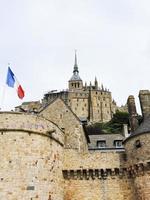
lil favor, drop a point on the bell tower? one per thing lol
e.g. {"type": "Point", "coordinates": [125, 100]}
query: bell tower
{"type": "Point", "coordinates": [75, 83]}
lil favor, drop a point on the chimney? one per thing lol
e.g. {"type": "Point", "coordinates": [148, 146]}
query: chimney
{"type": "Point", "coordinates": [125, 130]}
{"type": "Point", "coordinates": [132, 113]}
{"type": "Point", "coordinates": [144, 96]}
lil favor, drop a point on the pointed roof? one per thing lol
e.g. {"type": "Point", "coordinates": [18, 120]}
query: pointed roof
{"type": "Point", "coordinates": [75, 64]}
{"type": "Point", "coordinates": [75, 76]}
{"type": "Point", "coordinates": [96, 80]}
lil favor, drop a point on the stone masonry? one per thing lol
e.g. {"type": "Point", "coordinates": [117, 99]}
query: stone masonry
{"type": "Point", "coordinates": [45, 156]}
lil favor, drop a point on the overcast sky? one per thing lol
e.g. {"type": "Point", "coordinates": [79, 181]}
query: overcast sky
{"type": "Point", "coordinates": [38, 39]}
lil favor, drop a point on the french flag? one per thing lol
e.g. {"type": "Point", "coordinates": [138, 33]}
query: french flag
{"type": "Point", "coordinates": [11, 81]}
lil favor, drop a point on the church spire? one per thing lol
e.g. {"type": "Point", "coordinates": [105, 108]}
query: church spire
{"type": "Point", "coordinates": [75, 76]}
{"type": "Point", "coordinates": [96, 83]}
{"type": "Point", "coordinates": [75, 83]}
{"type": "Point", "coordinates": [75, 70]}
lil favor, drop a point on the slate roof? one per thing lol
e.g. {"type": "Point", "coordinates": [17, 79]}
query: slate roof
{"type": "Point", "coordinates": [75, 77]}
{"type": "Point", "coordinates": [109, 138]}
{"type": "Point", "coordinates": [144, 127]}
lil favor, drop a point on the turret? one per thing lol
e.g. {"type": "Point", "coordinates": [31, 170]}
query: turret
{"type": "Point", "coordinates": [75, 83]}
{"type": "Point", "coordinates": [96, 83]}
{"type": "Point", "coordinates": [102, 87]}
{"type": "Point", "coordinates": [144, 96]}
{"type": "Point", "coordinates": [132, 113]}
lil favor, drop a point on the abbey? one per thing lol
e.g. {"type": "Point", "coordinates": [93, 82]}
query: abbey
{"type": "Point", "coordinates": [47, 154]}
{"type": "Point", "coordinates": [88, 102]}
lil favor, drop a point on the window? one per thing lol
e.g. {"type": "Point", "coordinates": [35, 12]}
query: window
{"type": "Point", "coordinates": [118, 143]}
{"type": "Point", "coordinates": [101, 144]}
{"type": "Point", "coordinates": [137, 144]}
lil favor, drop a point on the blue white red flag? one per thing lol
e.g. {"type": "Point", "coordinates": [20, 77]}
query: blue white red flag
{"type": "Point", "coordinates": [11, 81]}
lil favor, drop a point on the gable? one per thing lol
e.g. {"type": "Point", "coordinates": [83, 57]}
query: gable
{"type": "Point", "coordinates": [59, 113]}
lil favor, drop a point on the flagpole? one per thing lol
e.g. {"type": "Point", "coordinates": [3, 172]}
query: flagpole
{"type": "Point", "coordinates": [3, 97]}
{"type": "Point", "coordinates": [3, 93]}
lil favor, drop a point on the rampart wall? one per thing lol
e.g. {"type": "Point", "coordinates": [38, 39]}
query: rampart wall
{"type": "Point", "coordinates": [96, 175]}
{"type": "Point", "coordinates": [31, 150]}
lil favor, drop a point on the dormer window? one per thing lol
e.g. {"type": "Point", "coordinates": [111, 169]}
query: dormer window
{"type": "Point", "coordinates": [118, 143]}
{"type": "Point", "coordinates": [101, 143]}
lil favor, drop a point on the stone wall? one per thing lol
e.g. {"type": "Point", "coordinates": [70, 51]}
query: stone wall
{"type": "Point", "coordinates": [78, 102]}
{"type": "Point", "coordinates": [36, 165]}
{"type": "Point", "coordinates": [137, 149]}
{"type": "Point", "coordinates": [60, 113]}
{"type": "Point", "coordinates": [96, 175]}
{"type": "Point", "coordinates": [111, 188]}
{"type": "Point", "coordinates": [92, 160]}
{"type": "Point", "coordinates": [84, 102]}
{"type": "Point", "coordinates": [31, 151]}
{"type": "Point", "coordinates": [101, 105]}
{"type": "Point", "coordinates": [144, 96]}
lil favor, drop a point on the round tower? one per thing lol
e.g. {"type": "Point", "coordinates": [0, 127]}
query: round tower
{"type": "Point", "coordinates": [31, 150]}
{"type": "Point", "coordinates": [137, 147]}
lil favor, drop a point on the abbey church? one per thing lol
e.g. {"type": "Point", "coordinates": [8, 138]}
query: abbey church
{"type": "Point", "coordinates": [91, 103]}
{"type": "Point", "coordinates": [46, 152]}
{"type": "Point", "coordinates": [87, 102]}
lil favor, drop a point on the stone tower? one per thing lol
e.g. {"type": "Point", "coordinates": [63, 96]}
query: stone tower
{"type": "Point", "coordinates": [133, 113]}
{"type": "Point", "coordinates": [75, 83]}
{"type": "Point", "coordinates": [144, 96]}
{"type": "Point", "coordinates": [138, 151]}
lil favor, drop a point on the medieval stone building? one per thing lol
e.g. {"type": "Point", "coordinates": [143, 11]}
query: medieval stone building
{"type": "Point", "coordinates": [88, 102]}
{"type": "Point", "coordinates": [46, 154]}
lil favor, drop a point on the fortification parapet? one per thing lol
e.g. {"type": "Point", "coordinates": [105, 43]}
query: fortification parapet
{"type": "Point", "coordinates": [15, 121]}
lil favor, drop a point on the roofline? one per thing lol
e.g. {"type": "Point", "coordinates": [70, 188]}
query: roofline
{"type": "Point", "coordinates": [135, 135]}
{"type": "Point", "coordinates": [86, 135]}
{"type": "Point", "coordinates": [64, 103]}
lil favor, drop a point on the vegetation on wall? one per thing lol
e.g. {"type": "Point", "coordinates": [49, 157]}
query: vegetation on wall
{"type": "Point", "coordinates": [115, 125]}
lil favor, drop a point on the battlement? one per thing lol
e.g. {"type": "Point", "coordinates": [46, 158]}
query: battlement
{"type": "Point", "coordinates": [86, 174]}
